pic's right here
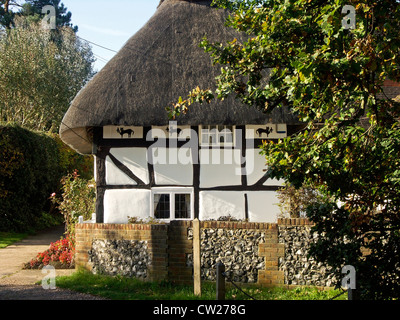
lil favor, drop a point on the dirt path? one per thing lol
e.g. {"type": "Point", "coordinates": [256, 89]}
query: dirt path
{"type": "Point", "coordinates": [19, 284]}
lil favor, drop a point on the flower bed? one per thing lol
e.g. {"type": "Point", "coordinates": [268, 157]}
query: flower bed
{"type": "Point", "coordinates": [59, 255]}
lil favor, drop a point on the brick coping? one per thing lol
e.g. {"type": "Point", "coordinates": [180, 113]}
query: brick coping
{"type": "Point", "coordinates": [203, 224]}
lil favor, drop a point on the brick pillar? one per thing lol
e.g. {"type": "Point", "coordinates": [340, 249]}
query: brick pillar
{"type": "Point", "coordinates": [271, 250]}
{"type": "Point", "coordinates": [179, 246]}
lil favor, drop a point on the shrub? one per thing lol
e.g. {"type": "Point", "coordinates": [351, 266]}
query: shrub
{"type": "Point", "coordinates": [60, 255]}
{"type": "Point", "coordinates": [150, 220]}
{"type": "Point", "coordinates": [32, 165]}
{"type": "Point", "coordinates": [70, 160]}
{"type": "Point", "coordinates": [294, 202]}
{"type": "Point", "coordinates": [78, 198]}
{"type": "Point", "coordinates": [29, 174]}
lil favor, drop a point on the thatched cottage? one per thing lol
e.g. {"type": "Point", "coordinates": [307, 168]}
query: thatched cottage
{"type": "Point", "coordinates": [207, 165]}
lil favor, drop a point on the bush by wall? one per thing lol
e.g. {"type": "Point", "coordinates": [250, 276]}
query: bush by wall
{"type": "Point", "coordinates": [30, 171]}
{"type": "Point", "coordinates": [59, 255]}
{"type": "Point", "coordinates": [31, 167]}
{"type": "Point", "coordinates": [77, 198]}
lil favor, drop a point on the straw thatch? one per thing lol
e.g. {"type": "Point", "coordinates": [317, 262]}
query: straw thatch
{"type": "Point", "coordinates": [161, 62]}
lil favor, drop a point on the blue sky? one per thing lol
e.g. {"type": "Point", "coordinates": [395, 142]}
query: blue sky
{"type": "Point", "coordinates": [109, 23]}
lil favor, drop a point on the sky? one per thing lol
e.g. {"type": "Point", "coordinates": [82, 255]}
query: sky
{"type": "Point", "coordinates": [109, 23]}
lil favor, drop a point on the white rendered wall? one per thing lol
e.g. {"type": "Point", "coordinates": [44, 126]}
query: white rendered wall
{"type": "Point", "coordinates": [135, 159]}
{"type": "Point", "coordinates": [263, 206]}
{"type": "Point", "coordinates": [121, 203]}
{"type": "Point", "coordinates": [179, 173]}
{"type": "Point", "coordinates": [216, 204]}
{"type": "Point", "coordinates": [255, 166]}
{"type": "Point", "coordinates": [220, 168]}
{"type": "Point", "coordinates": [114, 176]}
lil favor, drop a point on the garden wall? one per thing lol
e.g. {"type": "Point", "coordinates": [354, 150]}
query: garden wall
{"type": "Point", "coordinates": [268, 254]}
{"type": "Point", "coordinates": [298, 268]}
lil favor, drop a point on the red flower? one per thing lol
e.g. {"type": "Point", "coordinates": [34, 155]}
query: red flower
{"type": "Point", "coordinates": [62, 250]}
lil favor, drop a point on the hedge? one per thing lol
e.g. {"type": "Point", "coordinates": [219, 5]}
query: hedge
{"type": "Point", "coordinates": [31, 167]}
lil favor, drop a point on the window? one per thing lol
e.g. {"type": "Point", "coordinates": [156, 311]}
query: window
{"type": "Point", "coordinates": [162, 206]}
{"type": "Point", "coordinates": [172, 204]}
{"type": "Point", "coordinates": [217, 135]}
{"type": "Point", "coordinates": [182, 206]}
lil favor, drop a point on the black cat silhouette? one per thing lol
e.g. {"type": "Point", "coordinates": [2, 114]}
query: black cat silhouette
{"type": "Point", "coordinates": [267, 130]}
{"type": "Point", "coordinates": [122, 131]}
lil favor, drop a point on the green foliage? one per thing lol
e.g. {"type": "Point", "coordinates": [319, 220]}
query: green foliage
{"type": "Point", "coordinates": [8, 238]}
{"type": "Point", "coordinates": [78, 198]}
{"type": "Point", "coordinates": [6, 15]}
{"type": "Point", "coordinates": [40, 73]}
{"type": "Point", "coordinates": [70, 160]}
{"type": "Point", "coordinates": [63, 16]}
{"type": "Point", "coordinates": [29, 174]}
{"type": "Point", "coordinates": [31, 167]}
{"type": "Point", "coordinates": [297, 54]}
{"type": "Point", "coordinates": [33, 10]}
{"type": "Point", "coordinates": [295, 201]}
{"type": "Point", "coordinates": [150, 220]}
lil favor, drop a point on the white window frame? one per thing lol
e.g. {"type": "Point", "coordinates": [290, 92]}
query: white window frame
{"type": "Point", "coordinates": [217, 143]}
{"type": "Point", "coordinates": [172, 191]}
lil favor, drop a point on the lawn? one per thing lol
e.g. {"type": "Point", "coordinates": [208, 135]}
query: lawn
{"type": "Point", "coordinates": [8, 238]}
{"type": "Point", "coordinates": [120, 288]}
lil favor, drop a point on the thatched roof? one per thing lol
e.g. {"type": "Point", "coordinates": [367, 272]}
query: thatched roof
{"type": "Point", "coordinates": [161, 62]}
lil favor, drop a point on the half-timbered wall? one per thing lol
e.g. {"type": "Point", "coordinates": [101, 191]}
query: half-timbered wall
{"type": "Point", "coordinates": [139, 169]}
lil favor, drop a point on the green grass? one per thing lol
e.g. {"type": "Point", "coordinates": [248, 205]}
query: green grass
{"type": "Point", "coordinates": [8, 238]}
{"type": "Point", "coordinates": [120, 288]}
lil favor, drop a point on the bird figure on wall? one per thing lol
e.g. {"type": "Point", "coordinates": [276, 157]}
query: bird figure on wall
{"type": "Point", "coordinates": [267, 131]}
{"type": "Point", "coordinates": [122, 132]}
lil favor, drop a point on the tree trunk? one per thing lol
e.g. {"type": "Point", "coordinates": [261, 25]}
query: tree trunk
{"type": "Point", "coordinates": [6, 6]}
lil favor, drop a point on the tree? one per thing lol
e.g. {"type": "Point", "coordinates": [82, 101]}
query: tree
{"type": "Point", "coordinates": [63, 16]}
{"type": "Point", "coordinates": [293, 202]}
{"type": "Point", "coordinates": [299, 54]}
{"type": "Point", "coordinates": [38, 76]}
{"type": "Point", "coordinates": [33, 10]}
{"type": "Point", "coordinates": [6, 14]}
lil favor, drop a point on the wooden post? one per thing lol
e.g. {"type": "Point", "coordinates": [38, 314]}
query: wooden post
{"type": "Point", "coordinates": [220, 281]}
{"type": "Point", "coordinates": [352, 294]}
{"type": "Point", "coordinates": [196, 257]}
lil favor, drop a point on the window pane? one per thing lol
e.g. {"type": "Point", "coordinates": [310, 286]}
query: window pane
{"type": "Point", "coordinates": [204, 136]}
{"type": "Point", "coordinates": [161, 206]}
{"type": "Point", "coordinates": [213, 138]}
{"type": "Point", "coordinates": [182, 206]}
{"type": "Point", "coordinates": [217, 135]}
{"type": "Point", "coordinates": [229, 136]}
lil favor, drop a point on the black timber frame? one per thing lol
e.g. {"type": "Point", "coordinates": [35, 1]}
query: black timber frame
{"type": "Point", "coordinates": [102, 147]}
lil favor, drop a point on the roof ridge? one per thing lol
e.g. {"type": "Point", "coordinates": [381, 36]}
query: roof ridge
{"type": "Point", "coordinates": [205, 1]}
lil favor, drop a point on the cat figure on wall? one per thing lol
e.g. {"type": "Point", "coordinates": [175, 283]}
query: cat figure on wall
{"type": "Point", "coordinates": [267, 131]}
{"type": "Point", "coordinates": [122, 132]}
